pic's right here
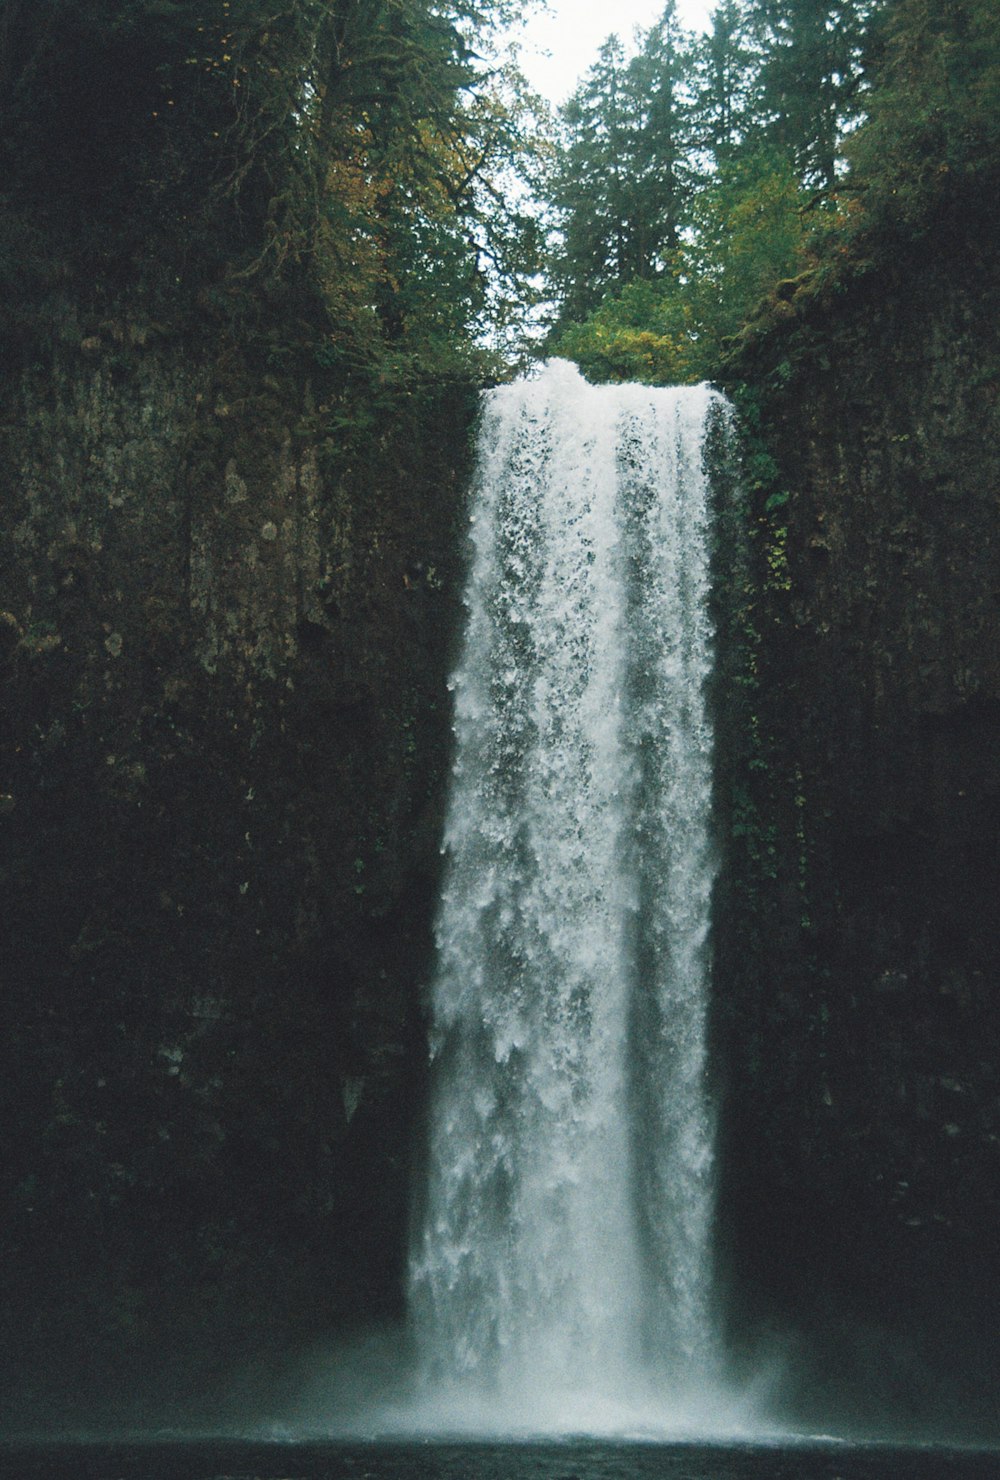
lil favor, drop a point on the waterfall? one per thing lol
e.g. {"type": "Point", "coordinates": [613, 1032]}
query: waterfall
{"type": "Point", "coordinates": [561, 1254]}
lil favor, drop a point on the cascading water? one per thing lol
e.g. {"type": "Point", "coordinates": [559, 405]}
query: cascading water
{"type": "Point", "coordinates": [562, 1256]}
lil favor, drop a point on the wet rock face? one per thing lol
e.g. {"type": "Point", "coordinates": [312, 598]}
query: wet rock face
{"type": "Point", "coordinates": [224, 729]}
{"type": "Point", "coordinates": [865, 1028]}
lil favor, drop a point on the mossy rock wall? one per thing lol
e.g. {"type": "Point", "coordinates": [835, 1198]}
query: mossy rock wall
{"type": "Point", "coordinates": [859, 935]}
{"type": "Point", "coordinates": [225, 631]}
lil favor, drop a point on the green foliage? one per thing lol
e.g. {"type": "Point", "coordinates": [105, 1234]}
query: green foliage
{"type": "Point", "coordinates": [418, 254]}
{"type": "Point", "coordinates": [329, 180]}
{"type": "Point", "coordinates": [638, 334]}
{"type": "Point", "coordinates": [726, 66]}
{"type": "Point", "coordinates": [933, 125]}
{"type": "Point", "coordinates": [809, 78]}
{"type": "Point", "coordinates": [747, 232]}
{"type": "Point", "coordinates": [805, 138]}
{"type": "Point", "coordinates": [927, 156]}
{"type": "Point", "coordinates": [619, 187]}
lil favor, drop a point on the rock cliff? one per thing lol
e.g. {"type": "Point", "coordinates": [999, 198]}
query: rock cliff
{"type": "Point", "coordinates": [858, 923]}
{"type": "Point", "coordinates": [225, 628]}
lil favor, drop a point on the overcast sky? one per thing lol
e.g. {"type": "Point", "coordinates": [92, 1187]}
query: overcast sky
{"type": "Point", "coordinates": [573, 30]}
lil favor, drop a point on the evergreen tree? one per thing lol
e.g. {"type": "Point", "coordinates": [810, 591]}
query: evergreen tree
{"type": "Point", "coordinates": [620, 186]}
{"type": "Point", "coordinates": [810, 78]}
{"type": "Point", "coordinates": [347, 146]}
{"type": "Point", "coordinates": [591, 188]}
{"type": "Point", "coordinates": [727, 68]}
{"type": "Point", "coordinates": [659, 77]}
{"type": "Point", "coordinates": [933, 125]}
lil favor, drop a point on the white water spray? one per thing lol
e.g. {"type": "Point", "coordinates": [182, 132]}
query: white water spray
{"type": "Point", "coordinates": [561, 1267]}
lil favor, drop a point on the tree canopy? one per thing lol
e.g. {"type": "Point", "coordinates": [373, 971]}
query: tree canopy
{"type": "Point", "coordinates": [792, 133]}
{"type": "Point", "coordinates": [377, 154]}
{"type": "Point", "coordinates": [351, 147]}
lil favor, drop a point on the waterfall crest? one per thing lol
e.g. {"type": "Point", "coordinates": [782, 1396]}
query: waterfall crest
{"type": "Point", "coordinates": [562, 1253]}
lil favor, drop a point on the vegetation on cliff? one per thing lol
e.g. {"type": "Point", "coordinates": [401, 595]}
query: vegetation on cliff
{"type": "Point", "coordinates": [794, 144]}
{"type": "Point", "coordinates": [337, 156]}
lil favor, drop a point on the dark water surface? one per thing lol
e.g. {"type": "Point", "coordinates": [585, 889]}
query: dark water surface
{"type": "Point", "coordinates": [436, 1460]}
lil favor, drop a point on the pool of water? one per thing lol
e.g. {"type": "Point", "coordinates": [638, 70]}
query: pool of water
{"type": "Point", "coordinates": [571, 1459]}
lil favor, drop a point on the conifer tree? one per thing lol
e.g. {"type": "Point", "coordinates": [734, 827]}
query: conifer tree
{"type": "Point", "coordinates": [590, 188]}
{"type": "Point", "coordinates": [727, 66]}
{"type": "Point", "coordinates": [809, 79]}
{"type": "Point", "coordinates": [621, 183]}
{"type": "Point", "coordinates": [660, 83]}
{"type": "Point", "coordinates": [932, 132]}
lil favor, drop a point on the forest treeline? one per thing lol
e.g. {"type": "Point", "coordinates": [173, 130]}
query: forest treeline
{"type": "Point", "coordinates": [334, 154]}
{"type": "Point", "coordinates": [704, 174]}
{"type": "Point", "coordinates": [386, 159]}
